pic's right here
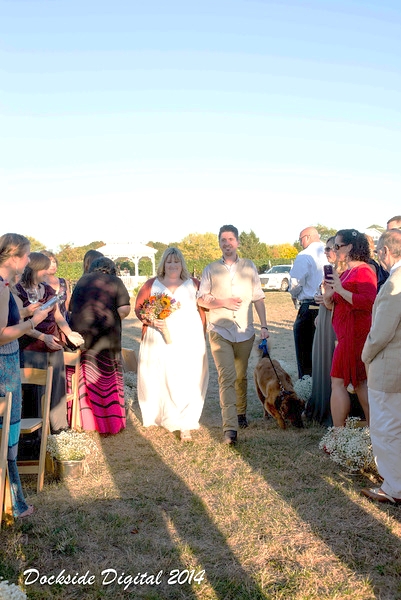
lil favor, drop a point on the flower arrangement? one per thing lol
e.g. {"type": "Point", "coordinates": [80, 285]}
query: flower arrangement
{"type": "Point", "coordinates": [11, 591]}
{"type": "Point", "coordinates": [70, 445]}
{"type": "Point", "coordinates": [349, 446]}
{"type": "Point", "coordinates": [158, 306]}
{"type": "Point", "coordinates": [303, 388]}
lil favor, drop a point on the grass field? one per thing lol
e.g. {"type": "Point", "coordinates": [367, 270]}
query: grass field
{"type": "Point", "coordinates": [273, 518]}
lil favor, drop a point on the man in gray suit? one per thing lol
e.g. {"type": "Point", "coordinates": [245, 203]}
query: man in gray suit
{"type": "Point", "coordinates": [382, 357]}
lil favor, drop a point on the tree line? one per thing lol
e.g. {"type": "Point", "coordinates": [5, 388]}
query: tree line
{"type": "Point", "coordinates": [199, 249]}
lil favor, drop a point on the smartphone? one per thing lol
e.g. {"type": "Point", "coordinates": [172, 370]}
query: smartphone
{"type": "Point", "coordinates": [50, 303]}
{"type": "Point", "coordinates": [328, 271]}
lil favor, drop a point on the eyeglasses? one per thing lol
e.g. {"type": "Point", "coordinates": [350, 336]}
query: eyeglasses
{"type": "Point", "coordinates": [338, 246]}
{"type": "Point", "coordinates": [302, 237]}
{"type": "Point", "coordinates": [328, 249]}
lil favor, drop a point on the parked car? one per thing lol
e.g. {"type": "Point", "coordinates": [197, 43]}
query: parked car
{"type": "Point", "coordinates": [276, 278]}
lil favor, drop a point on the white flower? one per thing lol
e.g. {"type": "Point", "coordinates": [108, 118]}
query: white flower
{"type": "Point", "coordinates": [10, 591]}
{"type": "Point", "coordinates": [349, 446]}
{"type": "Point", "coordinates": [70, 445]}
{"type": "Point", "coordinates": [303, 388]}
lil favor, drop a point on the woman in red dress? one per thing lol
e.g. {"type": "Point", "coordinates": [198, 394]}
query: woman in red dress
{"type": "Point", "coordinates": [351, 297]}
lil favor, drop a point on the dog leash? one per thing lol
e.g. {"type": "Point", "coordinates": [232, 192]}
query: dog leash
{"type": "Point", "coordinates": [265, 352]}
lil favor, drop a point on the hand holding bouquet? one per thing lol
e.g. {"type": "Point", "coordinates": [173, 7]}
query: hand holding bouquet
{"type": "Point", "coordinates": [159, 307]}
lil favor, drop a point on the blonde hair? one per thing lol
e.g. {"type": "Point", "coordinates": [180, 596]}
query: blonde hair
{"type": "Point", "coordinates": [161, 269]}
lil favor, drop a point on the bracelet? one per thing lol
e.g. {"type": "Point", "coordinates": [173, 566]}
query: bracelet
{"type": "Point", "coordinates": [32, 325]}
{"type": "Point", "coordinates": [265, 328]}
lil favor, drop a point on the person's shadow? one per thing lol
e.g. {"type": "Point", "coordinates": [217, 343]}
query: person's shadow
{"type": "Point", "coordinates": [326, 498]}
{"type": "Point", "coordinates": [163, 528]}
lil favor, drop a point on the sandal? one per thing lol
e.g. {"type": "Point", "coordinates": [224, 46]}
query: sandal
{"type": "Point", "coordinates": [186, 436]}
{"type": "Point", "coordinates": [378, 495]}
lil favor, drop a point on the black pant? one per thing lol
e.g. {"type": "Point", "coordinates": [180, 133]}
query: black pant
{"type": "Point", "coordinates": [304, 331]}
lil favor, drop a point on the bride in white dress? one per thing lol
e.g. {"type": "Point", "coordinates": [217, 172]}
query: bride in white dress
{"type": "Point", "coordinates": [172, 377]}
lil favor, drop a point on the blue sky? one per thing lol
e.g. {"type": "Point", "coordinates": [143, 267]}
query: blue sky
{"type": "Point", "coordinates": [136, 121]}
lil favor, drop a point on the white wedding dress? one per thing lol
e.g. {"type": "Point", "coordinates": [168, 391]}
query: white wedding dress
{"type": "Point", "coordinates": [173, 378]}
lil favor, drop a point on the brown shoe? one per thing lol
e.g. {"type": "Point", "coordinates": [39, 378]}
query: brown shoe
{"type": "Point", "coordinates": [378, 495]}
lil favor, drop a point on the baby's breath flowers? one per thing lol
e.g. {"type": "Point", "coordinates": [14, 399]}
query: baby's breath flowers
{"type": "Point", "coordinates": [130, 393]}
{"type": "Point", "coordinates": [70, 445]}
{"type": "Point", "coordinates": [303, 388]}
{"type": "Point", "coordinates": [11, 591]}
{"type": "Point", "coordinates": [349, 446]}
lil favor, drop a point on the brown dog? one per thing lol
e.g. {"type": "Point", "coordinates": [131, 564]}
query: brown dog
{"type": "Point", "coordinates": [282, 404]}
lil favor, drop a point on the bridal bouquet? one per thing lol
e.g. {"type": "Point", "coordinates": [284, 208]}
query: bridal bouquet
{"type": "Point", "coordinates": [159, 306]}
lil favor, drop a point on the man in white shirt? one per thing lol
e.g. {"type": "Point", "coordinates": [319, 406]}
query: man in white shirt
{"type": "Point", "coordinates": [306, 276]}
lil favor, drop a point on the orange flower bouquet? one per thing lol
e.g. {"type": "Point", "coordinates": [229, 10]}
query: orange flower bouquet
{"type": "Point", "coordinates": [159, 306]}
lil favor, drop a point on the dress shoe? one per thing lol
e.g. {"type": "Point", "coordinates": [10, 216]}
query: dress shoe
{"type": "Point", "coordinates": [230, 437]}
{"type": "Point", "coordinates": [242, 421]}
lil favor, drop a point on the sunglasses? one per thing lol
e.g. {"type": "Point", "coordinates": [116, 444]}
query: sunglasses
{"type": "Point", "coordinates": [338, 246]}
{"type": "Point", "coordinates": [328, 249]}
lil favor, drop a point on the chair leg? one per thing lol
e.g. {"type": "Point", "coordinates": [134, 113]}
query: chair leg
{"type": "Point", "coordinates": [42, 460]}
{"type": "Point", "coordinates": [7, 516]}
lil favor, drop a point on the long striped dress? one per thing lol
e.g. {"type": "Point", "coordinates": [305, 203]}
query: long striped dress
{"type": "Point", "coordinates": [94, 304]}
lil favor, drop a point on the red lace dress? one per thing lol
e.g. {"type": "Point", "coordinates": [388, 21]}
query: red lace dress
{"type": "Point", "coordinates": [351, 323]}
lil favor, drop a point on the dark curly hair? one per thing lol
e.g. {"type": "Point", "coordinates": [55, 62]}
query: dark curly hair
{"type": "Point", "coordinates": [104, 265]}
{"type": "Point", "coordinates": [89, 257]}
{"type": "Point", "coordinates": [360, 245]}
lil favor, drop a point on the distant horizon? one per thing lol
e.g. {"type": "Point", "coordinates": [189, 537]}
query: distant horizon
{"type": "Point", "coordinates": [121, 122]}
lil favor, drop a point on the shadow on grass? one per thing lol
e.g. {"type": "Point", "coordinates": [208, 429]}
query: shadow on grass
{"type": "Point", "coordinates": [141, 522]}
{"type": "Point", "coordinates": [361, 535]}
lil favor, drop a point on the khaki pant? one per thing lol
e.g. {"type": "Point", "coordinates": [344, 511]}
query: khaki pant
{"type": "Point", "coordinates": [231, 360]}
{"type": "Point", "coordinates": [385, 433]}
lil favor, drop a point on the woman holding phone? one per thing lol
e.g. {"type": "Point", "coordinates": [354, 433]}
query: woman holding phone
{"type": "Point", "coordinates": [41, 346]}
{"type": "Point", "coordinates": [14, 256]}
{"type": "Point", "coordinates": [351, 296]}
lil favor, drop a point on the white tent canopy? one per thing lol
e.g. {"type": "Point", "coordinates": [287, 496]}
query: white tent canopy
{"type": "Point", "coordinates": [131, 251]}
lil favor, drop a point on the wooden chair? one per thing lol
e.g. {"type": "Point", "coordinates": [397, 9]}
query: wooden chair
{"type": "Point", "coordinates": [129, 360]}
{"type": "Point", "coordinates": [29, 425]}
{"type": "Point", "coordinates": [73, 359]}
{"type": "Point", "coordinates": [6, 513]}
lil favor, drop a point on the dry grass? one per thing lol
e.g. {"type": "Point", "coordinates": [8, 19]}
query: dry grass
{"type": "Point", "coordinates": [273, 518]}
